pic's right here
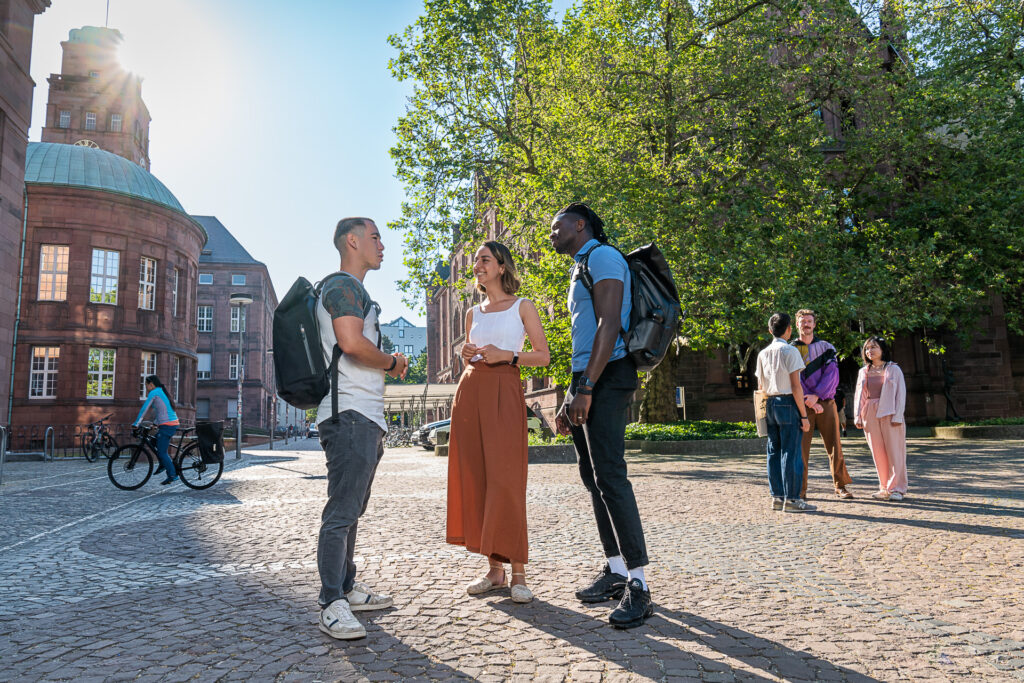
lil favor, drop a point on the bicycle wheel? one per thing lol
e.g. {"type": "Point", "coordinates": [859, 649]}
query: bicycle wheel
{"type": "Point", "coordinates": [195, 473]}
{"type": "Point", "coordinates": [87, 449]}
{"type": "Point", "coordinates": [108, 446]}
{"type": "Point", "coordinates": [129, 467]}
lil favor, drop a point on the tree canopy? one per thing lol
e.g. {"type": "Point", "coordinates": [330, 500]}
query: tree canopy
{"type": "Point", "coordinates": [863, 160]}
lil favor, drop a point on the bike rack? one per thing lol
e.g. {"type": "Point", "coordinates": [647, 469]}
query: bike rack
{"type": "Point", "coordinates": [3, 450]}
{"type": "Point", "coordinates": [49, 437]}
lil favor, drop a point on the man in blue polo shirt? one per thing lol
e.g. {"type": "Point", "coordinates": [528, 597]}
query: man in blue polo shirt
{"type": "Point", "coordinates": [596, 407]}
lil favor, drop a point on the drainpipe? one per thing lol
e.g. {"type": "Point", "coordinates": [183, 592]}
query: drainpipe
{"type": "Point", "coordinates": [17, 311]}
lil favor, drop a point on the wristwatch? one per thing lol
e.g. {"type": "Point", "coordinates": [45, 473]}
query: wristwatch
{"type": "Point", "coordinates": [584, 385]}
{"type": "Point", "coordinates": [515, 358]}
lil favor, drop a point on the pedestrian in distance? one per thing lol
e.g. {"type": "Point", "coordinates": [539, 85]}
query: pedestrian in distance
{"type": "Point", "coordinates": [351, 423]}
{"type": "Point", "coordinates": [819, 380]}
{"type": "Point", "coordinates": [596, 408]}
{"type": "Point", "coordinates": [487, 448]}
{"type": "Point", "coordinates": [167, 424]}
{"type": "Point", "coordinates": [879, 402]}
{"type": "Point", "coordinates": [778, 376]}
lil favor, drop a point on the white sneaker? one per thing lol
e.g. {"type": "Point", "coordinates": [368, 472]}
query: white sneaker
{"type": "Point", "coordinates": [896, 495]}
{"type": "Point", "coordinates": [362, 598]}
{"type": "Point", "coordinates": [337, 621]}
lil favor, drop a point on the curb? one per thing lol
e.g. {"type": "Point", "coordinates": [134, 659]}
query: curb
{"type": "Point", "coordinates": [980, 432]}
{"type": "Point", "coordinates": [702, 447]}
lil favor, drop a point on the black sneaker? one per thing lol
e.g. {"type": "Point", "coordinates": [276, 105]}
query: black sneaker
{"type": "Point", "coordinates": [607, 586]}
{"type": "Point", "coordinates": [634, 608]}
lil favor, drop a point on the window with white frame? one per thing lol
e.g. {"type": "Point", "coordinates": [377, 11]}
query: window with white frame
{"type": "Point", "coordinates": [148, 367]}
{"type": "Point", "coordinates": [53, 272]}
{"type": "Point", "coordinates": [42, 381]}
{"type": "Point", "coordinates": [232, 407]}
{"type": "Point", "coordinates": [103, 284]}
{"type": "Point", "coordinates": [206, 278]}
{"type": "Point", "coordinates": [237, 279]}
{"type": "Point", "coordinates": [205, 319]}
{"type": "Point", "coordinates": [115, 123]}
{"type": "Point", "coordinates": [64, 120]}
{"type": "Point", "coordinates": [100, 383]}
{"type": "Point", "coordinates": [176, 378]}
{"type": "Point", "coordinates": [202, 408]}
{"type": "Point", "coordinates": [204, 364]}
{"type": "Point", "coordinates": [236, 313]}
{"type": "Point", "coordinates": [147, 283]}
{"type": "Point", "coordinates": [408, 350]}
{"type": "Point", "coordinates": [233, 366]}
{"type": "Point", "coordinates": [174, 292]}
{"type": "Point", "coordinates": [401, 333]}
{"type": "Point", "coordinates": [90, 120]}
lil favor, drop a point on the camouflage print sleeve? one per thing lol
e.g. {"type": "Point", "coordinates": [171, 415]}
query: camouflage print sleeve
{"type": "Point", "coordinates": [344, 296]}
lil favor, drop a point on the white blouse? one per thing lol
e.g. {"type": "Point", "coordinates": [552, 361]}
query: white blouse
{"type": "Point", "coordinates": [503, 329]}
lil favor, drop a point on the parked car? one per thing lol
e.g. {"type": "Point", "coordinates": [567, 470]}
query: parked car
{"type": "Point", "coordinates": [427, 435]}
{"type": "Point", "coordinates": [312, 433]}
{"type": "Point", "coordinates": [423, 434]}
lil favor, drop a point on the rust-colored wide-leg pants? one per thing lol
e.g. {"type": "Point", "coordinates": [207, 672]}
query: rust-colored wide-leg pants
{"type": "Point", "coordinates": [487, 464]}
{"type": "Point", "coordinates": [827, 424]}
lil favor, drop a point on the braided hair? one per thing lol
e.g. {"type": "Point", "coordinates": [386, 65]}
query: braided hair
{"type": "Point", "coordinates": [592, 220]}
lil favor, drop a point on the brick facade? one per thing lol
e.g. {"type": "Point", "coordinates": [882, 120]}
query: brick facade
{"type": "Point", "coordinates": [15, 113]}
{"type": "Point", "coordinates": [93, 83]}
{"type": "Point", "coordinates": [83, 220]}
{"type": "Point", "coordinates": [224, 261]}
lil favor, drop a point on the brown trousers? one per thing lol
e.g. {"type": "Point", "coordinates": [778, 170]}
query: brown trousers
{"type": "Point", "coordinates": [827, 424]}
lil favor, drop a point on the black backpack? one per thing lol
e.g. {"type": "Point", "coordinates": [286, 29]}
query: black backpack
{"type": "Point", "coordinates": [655, 313]}
{"type": "Point", "coordinates": [303, 374]}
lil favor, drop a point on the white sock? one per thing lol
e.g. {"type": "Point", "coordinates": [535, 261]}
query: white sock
{"type": "Point", "coordinates": [618, 566]}
{"type": "Point", "coordinates": [638, 573]}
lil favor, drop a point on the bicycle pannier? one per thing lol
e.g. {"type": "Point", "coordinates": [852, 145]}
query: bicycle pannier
{"type": "Point", "coordinates": [211, 441]}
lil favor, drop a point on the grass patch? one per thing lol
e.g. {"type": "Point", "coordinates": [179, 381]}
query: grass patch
{"type": "Point", "coordinates": [992, 421]}
{"type": "Point", "coordinates": [691, 430]}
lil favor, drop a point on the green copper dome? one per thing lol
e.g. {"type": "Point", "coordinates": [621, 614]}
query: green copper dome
{"type": "Point", "coordinates": [51, 163]}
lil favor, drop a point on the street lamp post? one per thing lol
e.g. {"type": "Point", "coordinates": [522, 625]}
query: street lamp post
{"type": "Point", "coordinates": [241, 300]}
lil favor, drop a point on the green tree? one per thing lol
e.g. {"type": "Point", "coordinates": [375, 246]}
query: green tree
{"type": "Point", "coordinates": [703, 127]}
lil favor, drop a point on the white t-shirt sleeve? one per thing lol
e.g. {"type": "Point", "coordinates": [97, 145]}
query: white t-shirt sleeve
{"type": "Point", "coordinates": [794, 361]}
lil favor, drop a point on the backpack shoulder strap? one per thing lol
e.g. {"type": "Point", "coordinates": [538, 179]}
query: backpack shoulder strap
{"type": "Point", "coordinates": [581, 272]}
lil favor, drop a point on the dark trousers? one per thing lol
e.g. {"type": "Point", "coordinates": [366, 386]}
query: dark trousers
{"type": "Point", "coordinates": [354, 445]}
{"type": "Point", "coordinates": [601, 452]}
{"type": "Point", "coordinates": [785, 464]}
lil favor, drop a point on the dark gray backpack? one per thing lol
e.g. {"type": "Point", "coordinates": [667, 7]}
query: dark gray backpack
{"type": "Point", "coordinates": [655, 313]}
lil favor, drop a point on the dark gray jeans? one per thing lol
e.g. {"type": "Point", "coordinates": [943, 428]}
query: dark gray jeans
{"type": "Point", "coordinates": [601, 452]}
{"type": "Point", "coordinates": [353, 444]}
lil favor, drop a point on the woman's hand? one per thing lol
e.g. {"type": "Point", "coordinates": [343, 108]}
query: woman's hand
{"type": "Point", "coordinates": [492, 354]}
{"type": "Point", "coordinates": [468, 351]}
{"type": "Point", "coordinates": [858, 425]}
{"type": "Point", "coordinates": [562, 422]}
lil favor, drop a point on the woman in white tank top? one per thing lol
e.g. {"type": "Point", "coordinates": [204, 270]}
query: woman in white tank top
{"type": "Point", "coordinates": [487, 449]}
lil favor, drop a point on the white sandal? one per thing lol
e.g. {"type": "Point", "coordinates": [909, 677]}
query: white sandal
{"type": "Point", "coordinates": [520, 593]}
{"type": "Point", "coordinates": [484, 585]}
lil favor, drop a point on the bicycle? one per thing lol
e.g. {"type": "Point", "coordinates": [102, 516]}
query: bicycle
{"type": "Point", "coordinates": [398, 437]}
{"type": "Point", "coordinates": [97, 440]}
{"type": "Point", "coordinates": [129, 470]}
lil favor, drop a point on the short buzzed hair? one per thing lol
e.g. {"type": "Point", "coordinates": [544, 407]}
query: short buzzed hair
{"type": "Point", "coordinates": [779, 323]}
{"type": "Point", "coordinates": [347, 225]}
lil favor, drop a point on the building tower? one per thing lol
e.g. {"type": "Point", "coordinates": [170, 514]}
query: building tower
{"type": "Point", "coordinates": [94, 101]}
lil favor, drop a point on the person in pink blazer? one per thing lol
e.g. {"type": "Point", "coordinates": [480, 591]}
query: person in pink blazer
{"type": "Point", "coordinates": [879, 403]}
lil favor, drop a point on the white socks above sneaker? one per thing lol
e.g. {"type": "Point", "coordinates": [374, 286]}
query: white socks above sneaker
{"type": "Point", "coordinates": [618, 566]}
{"type": "Point", "coordinates": [638, 573]}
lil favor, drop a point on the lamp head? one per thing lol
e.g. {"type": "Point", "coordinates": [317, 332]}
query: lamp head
{"type": "Point", "coordinates": [240, 299]}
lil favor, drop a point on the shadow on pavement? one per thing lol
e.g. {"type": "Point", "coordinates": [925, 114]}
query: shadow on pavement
{"type": "Point", "coordinates": [930, 524]}
{"type": "Point", "coordinates": [645, 651]}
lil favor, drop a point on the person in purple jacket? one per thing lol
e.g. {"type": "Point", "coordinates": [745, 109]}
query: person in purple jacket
{"type": "Point", "coordinates": [819, 380]}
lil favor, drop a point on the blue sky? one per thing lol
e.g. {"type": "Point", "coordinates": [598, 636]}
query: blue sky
{"type": "Point", "coordinates": [274, 116]}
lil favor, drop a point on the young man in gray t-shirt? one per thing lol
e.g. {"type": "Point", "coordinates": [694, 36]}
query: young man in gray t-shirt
{"type": "Point", "coordinates": [352, 439]}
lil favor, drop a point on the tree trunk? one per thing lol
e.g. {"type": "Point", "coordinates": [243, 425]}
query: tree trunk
{"type": "Point", "coordinates": [659, 404]}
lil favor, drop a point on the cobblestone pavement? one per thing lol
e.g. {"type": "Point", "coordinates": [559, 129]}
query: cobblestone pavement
{"type": "Point", "coordinates": [171, 584]}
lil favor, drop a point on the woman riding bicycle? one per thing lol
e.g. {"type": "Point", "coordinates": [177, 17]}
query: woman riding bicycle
{"type": "Point", "coordinates": [165, 418]}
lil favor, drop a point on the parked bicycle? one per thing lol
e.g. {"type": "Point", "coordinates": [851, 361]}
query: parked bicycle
{"type": "Point", "coordinates": [398, 437]}
{"type": "Point", "coordinates": [131, 466]}
{"type": "Point", "coordinates": [97, 440]}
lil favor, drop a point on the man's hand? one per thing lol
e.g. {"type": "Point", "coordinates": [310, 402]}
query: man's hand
{"type": "Point", "coordinates": [562, 422]}
{"type": "Point", "coordinates": [401, 366]}
{"type": "Point", "coordinates": [579, 409]}
{"type": "Point", "coordinates": [468, 351]}
{"type": "Point", "coordinates": [492, 355]}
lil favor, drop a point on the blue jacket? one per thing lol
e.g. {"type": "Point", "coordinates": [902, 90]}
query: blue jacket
{"type": "Point", "coordinates": [162, 405]}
